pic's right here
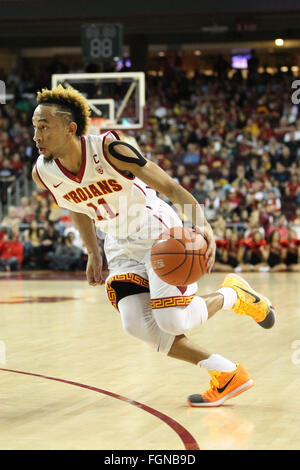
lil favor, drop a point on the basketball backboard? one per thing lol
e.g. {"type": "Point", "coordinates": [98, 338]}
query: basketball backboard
{"type": "Point", "coordinates": [116, 99]}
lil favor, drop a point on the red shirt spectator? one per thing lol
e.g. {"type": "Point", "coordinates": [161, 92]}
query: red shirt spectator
{"type": "Point", "coordinates": [11, 248]}
{"type": "Point", "coordinates": [292, 187]}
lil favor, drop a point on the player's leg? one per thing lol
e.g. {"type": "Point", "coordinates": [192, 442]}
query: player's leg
{"type": "Point", "coordinates": [129, 293]}
{"type": "Point", "coordinates": [138, 321]}
{"type": "Point", "coordinates": [228, 379]}
{"type": "Point", "coordinates": [177, 310]}
{"type": "Point", "coordinates": [249, 302]}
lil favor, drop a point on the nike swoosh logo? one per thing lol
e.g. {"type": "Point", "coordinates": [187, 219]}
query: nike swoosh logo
{"type": "Point", "coordinates": [56, 185]}
{"type": "Point", "coordinates": [221, 390]}
{"type": "Point", "coordinates": [256, 298]}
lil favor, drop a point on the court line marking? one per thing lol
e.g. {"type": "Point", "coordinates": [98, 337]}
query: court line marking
{"type": "Point", "coordinates": [188, 440]}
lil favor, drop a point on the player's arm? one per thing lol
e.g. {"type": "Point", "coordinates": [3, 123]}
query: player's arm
{"type": "Point", "coordinates": [86, 229]}
{"type": "Point", "coordinates": [87, 233]}
{"type": "Point", "coordinates": [127, 158]}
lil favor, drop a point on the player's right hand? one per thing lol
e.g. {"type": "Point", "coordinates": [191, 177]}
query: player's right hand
{"type": "Point", "coordinates": [94, 270]}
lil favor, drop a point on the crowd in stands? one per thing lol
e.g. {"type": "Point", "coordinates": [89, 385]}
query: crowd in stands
{"type": "Point", "coordinates": [232, 143]}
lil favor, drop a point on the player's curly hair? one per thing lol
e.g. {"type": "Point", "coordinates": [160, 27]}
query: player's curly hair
{"type": "Point", "coordinates": [69, 101]}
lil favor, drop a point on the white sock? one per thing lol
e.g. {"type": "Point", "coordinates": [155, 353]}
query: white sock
{"type": "Point", "coordinates": [230, 297]}
{"type": "Point", "coordinates": [217, 362]}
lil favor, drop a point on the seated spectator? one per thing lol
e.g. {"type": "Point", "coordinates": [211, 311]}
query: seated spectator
{"type": "Point", "coordinates": [277, 253]}
{"type": "Point", "coordinates": [256, 253]}
{"type": "Point", "coordinates": [48, 242]}
{"type": "Point", "coordinates": [208, 184]}
{"type": "Point", "coordinates": [251, 168]}
{"type": "Point", "coordinates": [180, 172]}
{"type": "Point", "coordinates": [16, 164]}
{"type": "Point", "coordinates": [77, 241]}
{"type": "Point", "coordinates": [22, 207]}
{"type": "Point", "coordinates": [11, 253]}
{"type": "Point", "coordinates": [192, 156]}
{"type": "Point", "coordinates": [210, 209]}
{"type": "Point", "coordinates": [219, 227]}
{"type": "Point", "coordinates": [66, 256]}
{"type": "Point", "coordinates": [265, 163]}
{"type": "Point", "coordinates": [199, 192]}
{"type": "Point", "coordinates": [292, 254]}
{"type": "Point", "coordinates": [229, 254]}
{"type": "Point", "coordinates": [254, 225]}
{"type": "Point", "coordinates": [239, 178]}
{"type": "Point", "coordinates": [32, 240]}
{"type": "Point", "coordinates": [176, 156]}
{"type": "Point", "coordinates": [292, 187]}
{"type": "Point", "coordinates": [272, 204]}
{"type": "Point", "coordinates": [226, 210]}
{"type": "Point", "coordinates": [7, 176]}
{"type": "Point", "coordinates": [12, 218]}
{"type": "Point", "coordinates": [281, 226]}
{"type": "Point", "coordinates": [295, 223]}
{"type": "Point", "coordinates": [281, 173]}
{"type": "Point", "coordinates": [234, 198]}
{"type": "Point", "coordinates": [285, 157]}
{"type": "Point", "coordinates": [42, 210]}
{"type": "Point", "coordinates": [266, 132]}
{"type": "Point", "coordinates": [187, 182]}
{"type": "Point", "coordinates": [29, 214]}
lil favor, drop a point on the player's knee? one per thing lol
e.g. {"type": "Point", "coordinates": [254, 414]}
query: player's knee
{"type": "Point", "coordinates": [171, 321]}
{"type": "Point", "coordinates": [179, 320]}
{"type": "Point", "coordinates": [129, 327]}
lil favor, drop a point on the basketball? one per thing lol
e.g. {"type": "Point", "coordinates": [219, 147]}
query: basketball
{"type": "Point", "coordinates": [178, 256]}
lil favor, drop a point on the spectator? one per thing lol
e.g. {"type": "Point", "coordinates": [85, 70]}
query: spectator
{"type": "Point", "coordinates": [256, 253]}
{"type": "Point", "coordinates": [281, 226]}
{"type": "Point", "coordinates": [11, 253]}
{"type": "Point", "coordinates": [21, 210]}
{"type": "Point", "coordinates": [12, 218]}
{"type": "Point", "coordinates": [292, 254]}
{"type": "Point", "coordinates": [292, 187]}
{"type": "Point", "coordinates": [49, 240]}
{"type": "Point", "coordinates": [295, 223]}
{"type": "Point", "coordinates": [277, 253]}
{"type": "Point", "coordinates": [7, 176]}
{"type": "Point", "coordinates": [229, 252]}
{"type": "Point", "coordinates": [272, 204]}
{"type": "Point", "coordinates": [66, 256]}
{"type": "Point", "coordinates": [192, 156]}
{"type": "Point", "coordinates": [32, 245]}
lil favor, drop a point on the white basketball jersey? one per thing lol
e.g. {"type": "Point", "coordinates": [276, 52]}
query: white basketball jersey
{"type": "Point", "coordinates": [119, 204]}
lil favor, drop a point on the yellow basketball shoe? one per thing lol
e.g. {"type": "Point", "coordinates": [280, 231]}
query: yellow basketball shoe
{"type": "Point", "coordinates": [250, 302]}
{"type": "Point", "coordinates": [223, 385]}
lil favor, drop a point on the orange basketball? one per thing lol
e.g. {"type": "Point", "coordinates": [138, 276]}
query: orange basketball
{"type": "Point", "coordinates": [178, 256]}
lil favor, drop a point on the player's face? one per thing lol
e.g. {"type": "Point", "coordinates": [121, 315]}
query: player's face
{"type": "Point", "coordinates": [50, 132]}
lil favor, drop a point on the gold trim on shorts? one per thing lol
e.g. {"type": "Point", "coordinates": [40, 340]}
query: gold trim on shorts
{"type": "Point", "coordinates": [172, 301]}
{"type": "Point", "coordinates": [127, 277]}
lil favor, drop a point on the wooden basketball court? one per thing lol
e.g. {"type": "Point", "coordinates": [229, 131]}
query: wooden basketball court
{"type": "Point", "coordinates": [71, 379]}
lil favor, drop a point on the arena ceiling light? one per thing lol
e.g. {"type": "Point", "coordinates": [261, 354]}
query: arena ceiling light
{"type": "Point", "coordinates": [279, 42]}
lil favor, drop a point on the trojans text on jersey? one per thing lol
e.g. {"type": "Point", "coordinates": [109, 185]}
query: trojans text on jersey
{"type": "Point", "coordinates": [90, 191]}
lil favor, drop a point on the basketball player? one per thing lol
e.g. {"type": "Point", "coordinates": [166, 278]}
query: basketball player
{"type": "Point", "coordinates": [97, 177]}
